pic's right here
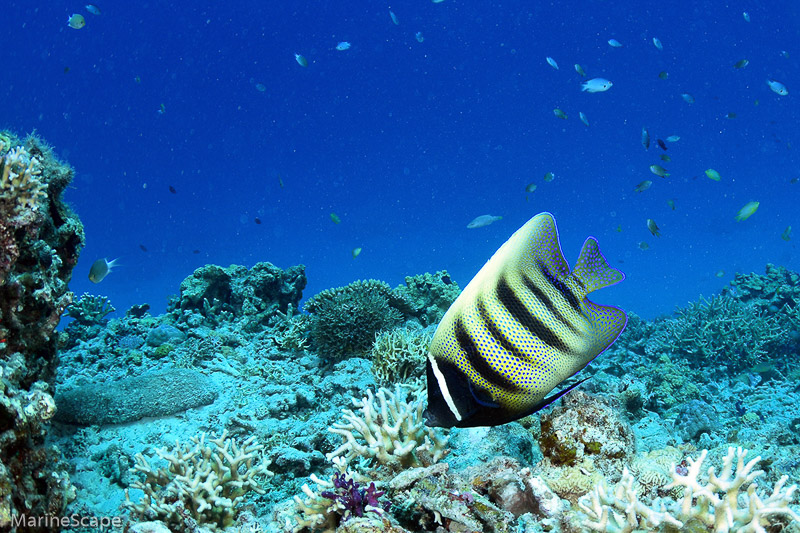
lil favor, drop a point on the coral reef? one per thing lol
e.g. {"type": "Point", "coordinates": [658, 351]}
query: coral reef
{"type": "Point", "coordinates": [725, 331]}
{"type": "Point", "coordinates": [389, 432]}
{"type": "Point", "coordinates": [399, 355]}
{"type": "Point", "coordinates": [728, 502]}
{"type": "Point", "coordinates": [39, 246]}
{"type": "Point", "coordinates": [90, 310]}
{"type": "Point", "coordinates": [344, 320]}
{"type": "Point", "coordinates": [337, 500]}
{"type": "Point", "coordinates": [255, 297]}
{"type": "Point", "coordinates": [40, 240]}
{"type": "Point", "coordinates": [582, 426]}
{"type": "Point", "coordinates": [341, 447]}
{"type": "Point", "coordinates": [204, 481]}
{"type": "Point", "coordinates": [430, 295]}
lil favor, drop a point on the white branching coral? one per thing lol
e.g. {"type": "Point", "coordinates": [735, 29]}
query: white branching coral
{"type": "Point", "coordinates": [389, 431]}
{"type": "Point", "coordinates": [719, 503]}
{"type": "Point", "coordinates": [20, 180]}
{"type": "Point", "coordinates": [203, 482]}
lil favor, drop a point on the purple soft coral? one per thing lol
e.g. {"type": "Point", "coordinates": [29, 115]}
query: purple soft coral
{"type": "Point", "coordinates": [354, 499]}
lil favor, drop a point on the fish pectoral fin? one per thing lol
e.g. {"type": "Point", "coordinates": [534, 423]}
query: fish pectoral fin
{"type": "Point", "coordinates": [482, 397]}
{"type": "Point", "coordinates": [552, 398]}
{"type": "Point", "coordinates": [593, 270]}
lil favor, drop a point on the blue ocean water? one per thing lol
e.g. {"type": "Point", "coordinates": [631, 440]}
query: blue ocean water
{"type": "Point", "coordinates": [407, 141]}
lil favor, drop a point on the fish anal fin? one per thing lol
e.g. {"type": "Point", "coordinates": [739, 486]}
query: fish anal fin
{"type": "Point", "coordinates": [592, 269]}
{"type": "Point", "coordinates": [482, 397]}
{"type": "Point", "coordinates": [609, 321]}
{"type": "Point", "coordinates": [550, 399]}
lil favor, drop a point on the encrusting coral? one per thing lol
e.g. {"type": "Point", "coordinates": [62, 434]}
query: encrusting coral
{"type": "Point", "coordinates": [389, 431]}
{"type": "Point", "coordinates": [205, 481]}
{"type": "Point", "coordinates": [724, 503]}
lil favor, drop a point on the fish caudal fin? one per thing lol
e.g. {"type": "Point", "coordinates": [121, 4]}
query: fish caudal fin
{"type": "Point", "coordinates": [592, 269]}
{"type": "Point", "coordinates": [593, 272]}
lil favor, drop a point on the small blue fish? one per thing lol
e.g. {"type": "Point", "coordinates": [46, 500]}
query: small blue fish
{"type": "Point", "coordinates": [688, 98]}
{"type": "Point", "coordinates": [76, 21]}
{"type": "Point", "coordinates": [418, 36]}
{"type": "Point", "coordinates": [613, 43]}
{"type": "Point", "coordinates": [302, 61]}
{"type": "Point", "coordinates": [777, 87]}
{"type": "Point", "coordinates": [342, 46]}
{"type": "Point", "coordinates": [93, 9]}
{"type": "Point", "coordinates": [596, 85]}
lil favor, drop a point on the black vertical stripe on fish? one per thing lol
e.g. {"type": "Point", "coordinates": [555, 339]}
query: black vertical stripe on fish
{"type": "Point", "coordinates": [522, 315]}
{"type": "Point", "coordinates": [560, 287]}
{"type": "Point", "coordinates": [541, 296]}
{"type": "Point", "coordinates": [477, 361]}
{"type": "Point", "coordinates": [498, 335]}
{"type": "Point", "coordinates": [579, 282]}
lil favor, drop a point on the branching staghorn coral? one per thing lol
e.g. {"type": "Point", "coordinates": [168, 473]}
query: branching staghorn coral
{"type": "Point", "coordinates": [205, 481]}
{"type": "Point", "coordinates": [725, 331]}
{"type": "Point", "coordinates": [90, 310]}
{"type": "Point", "coordinates": [389, 431]}
{"type": "Point", "coordinates": [399, 354]}
{"type": "Point", "coordinates": [724, 503]}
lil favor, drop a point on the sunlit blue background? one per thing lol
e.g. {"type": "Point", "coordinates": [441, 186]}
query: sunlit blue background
{"type": "Point", "coordinates": [406, 141]}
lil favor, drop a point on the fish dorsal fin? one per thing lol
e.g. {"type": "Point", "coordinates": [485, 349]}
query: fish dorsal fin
{"type": "Point", "coordinates": [592, 269]}
{"type": "Point", "coordinates": [537, 245]}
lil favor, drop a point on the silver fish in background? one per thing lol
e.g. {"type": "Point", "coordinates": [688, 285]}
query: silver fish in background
{"type": "Point", "coordinates": [100, 269]}
{"type": "Point", "coordinates": [483, 220]}
{"type": "Point", "coordinates": [521, 327]}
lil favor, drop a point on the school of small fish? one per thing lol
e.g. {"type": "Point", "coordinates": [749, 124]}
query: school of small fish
{"type": "Point", "coordinates": [593, 85]}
